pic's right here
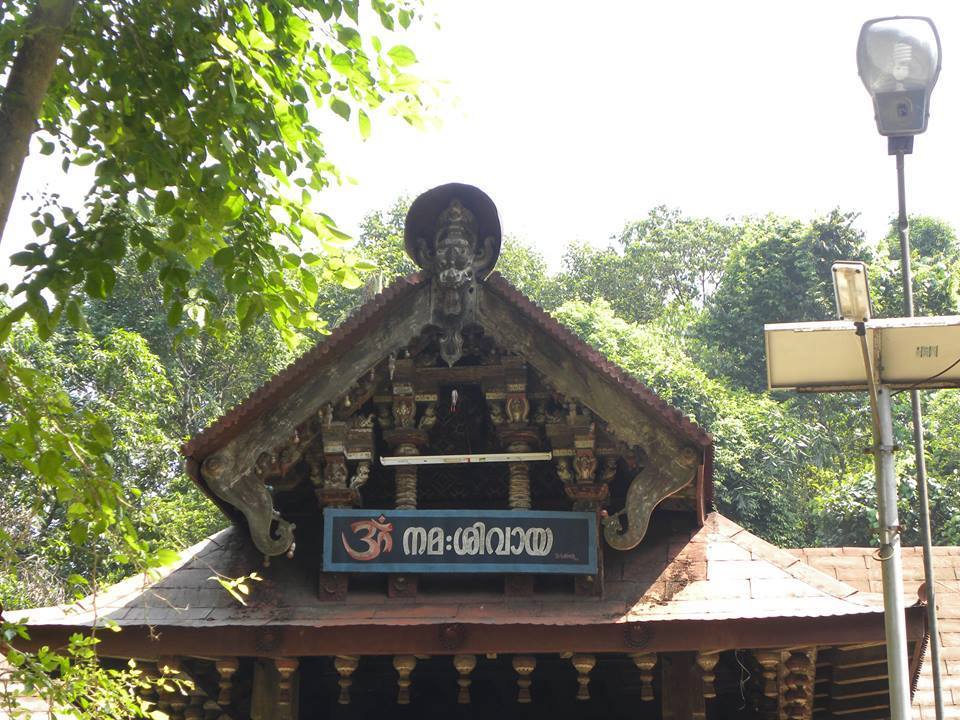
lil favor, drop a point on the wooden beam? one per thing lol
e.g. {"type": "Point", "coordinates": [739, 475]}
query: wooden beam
{"type": "Point", "coordinates": [465, 459]}
{"type": "Point", "coordinates": [386, 638]}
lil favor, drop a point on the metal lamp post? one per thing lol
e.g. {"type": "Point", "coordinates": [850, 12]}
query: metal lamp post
{"type": "Point", "coordinates": [853, 303]}
{"type": "Point", "coordinates": [898, 59]}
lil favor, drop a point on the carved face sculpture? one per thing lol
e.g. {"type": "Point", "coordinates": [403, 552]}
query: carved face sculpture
{"type": "Point", "coordinates": [455, 250]}
{"type": "Point", "coordinates": [454, 259]}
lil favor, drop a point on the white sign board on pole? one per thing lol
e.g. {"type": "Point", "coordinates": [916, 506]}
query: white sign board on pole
{"type": "Point", "coordinates": [827, 356]}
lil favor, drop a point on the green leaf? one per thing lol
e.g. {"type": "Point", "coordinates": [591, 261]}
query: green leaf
{"type": "Point", "coordinates": [234, 205]}
{"type": "Point", "coordinates": [47, 147]}
{"type": "Point", "coordinates": [166, 556]}
{"type": "Point", "coordinates": [363, 121]}
{"type": "Point", "coordinates": [350, 279]}
{"type": "Point", "coordinates": [266, 17]}
{"type": "Point", "coordinates": [38, 227]}
{"type": "Point", "coordinates": [340, 108]}
{"type": "Point", "coordinates": [174, 314]}
{"type": "Point", "coordinates": [49, 464]}
{"type": "Point", "coordinates": [227, 44]}
{"type": "Point", "coordinates": [164, 202]}
{"type": "Point", "coordinates": [84, 159]}
{"type": "Point", "coordinates": [101, 433]}
{"type": "Point", "coordinates": [402, 55]}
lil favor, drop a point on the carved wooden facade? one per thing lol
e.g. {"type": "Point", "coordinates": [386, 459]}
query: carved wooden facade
{"type": "Point", "coordinates": [687, 615]}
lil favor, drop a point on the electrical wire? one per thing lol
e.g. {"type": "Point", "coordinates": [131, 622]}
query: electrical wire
{"type": "Point", "coordinates": [916, 386]}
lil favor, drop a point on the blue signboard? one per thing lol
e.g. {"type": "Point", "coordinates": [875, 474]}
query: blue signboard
{"type": "Point", "coordinates": [459, 541]}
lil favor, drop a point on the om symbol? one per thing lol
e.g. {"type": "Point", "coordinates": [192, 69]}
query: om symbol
{"type": "Point", "coordinates": [376, 537]}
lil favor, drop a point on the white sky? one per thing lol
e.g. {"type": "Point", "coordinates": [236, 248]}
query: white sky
{"type": "Point", "coordinates": [577, 117]}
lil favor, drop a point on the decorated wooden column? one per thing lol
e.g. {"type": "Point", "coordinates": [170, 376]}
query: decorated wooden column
{"type": "Point", "coordinates": [286, 688]}
{"type": "Point", "coordinates": [336, 484]}
{"type": "Point", "coordinates": [464, 665]}
{"type": "Point", "coordinates": [645, 663]}
{"type": "Point", "coordinates": [405, 439]}
{"type": "Point", "coordinates": [585, 471]}
{"type": "Point", "coordinates": [404, 665]}
{"type": "Point", "coordinates": [797, 675]}
{"type": "Point", "coordinates": [194, 709]}
{"type": "Point", "coordinates": [226, 668]}
{"type": "Point", "coordinates": [515, 433]}
{"type": "Point", "coordinates": [584, 664]}
{"type": "Point", "coordinates": [769, 661]}
{"type": "Point", "coordinates": [345, 666]}
{"type": "Point", "coordinates": [275, 689]}
{"type": "Point", "coordinates": [512, 422]}
{"type": "Point", "coordinates": [173, 700]}
{"type": "Point", "coordinates": [524, 665]}
{"type": "Point", "coordinates": [707, 662]}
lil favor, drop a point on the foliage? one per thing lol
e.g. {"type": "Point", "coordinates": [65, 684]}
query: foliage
{"type": "Point", "coordinates": [778, 271]}
{"type": "Point", "coordinates": [762, 450]}
{"type": "Point", "coordinates": [656, 266]}
{"type": "Point", "coordinates": [221, 147]}
{"type": "Point", "coordinates": [72, 683]}
{"type": "Point", "coordinates": [934, 264]}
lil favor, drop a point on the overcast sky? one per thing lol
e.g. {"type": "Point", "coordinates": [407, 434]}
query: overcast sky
{"type": "Point", "coordinates": [577, 117]}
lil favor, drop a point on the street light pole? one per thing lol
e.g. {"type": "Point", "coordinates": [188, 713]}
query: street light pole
{"type": "Point", "coordinates": [898, 60]}
{"type": "Point", "coordinates": [894, 623]}
{"type": "Point", "coordinates": [900, 149]}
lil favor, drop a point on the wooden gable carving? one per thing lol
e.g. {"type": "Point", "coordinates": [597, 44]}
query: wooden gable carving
{"type": "Point", "coordinates": [452, 361]}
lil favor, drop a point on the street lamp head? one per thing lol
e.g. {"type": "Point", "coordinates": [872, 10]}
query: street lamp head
{"type": "Point", "coordinates": [898, 59]}
{"type": "Point", "coordinates": [851, 290]}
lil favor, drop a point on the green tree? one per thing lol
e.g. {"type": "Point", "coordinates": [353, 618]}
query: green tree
{"type": "Point", "coordinates": [934, 264]}
{"type": "Point", "coordinates": [210, 114]}
{"type": "Point", "coordinates": [679, 258]}
{"type": "Point", "coordinates": [778, 271]}
{"type": "Point", "coordinates": [762, 450]}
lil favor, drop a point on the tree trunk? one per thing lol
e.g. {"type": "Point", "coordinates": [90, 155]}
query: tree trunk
{"type": "Point", "coordinates": [20, 103]}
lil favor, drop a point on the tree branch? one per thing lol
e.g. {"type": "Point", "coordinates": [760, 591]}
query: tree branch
{"type": "Point", "coordinates": [21, 100]}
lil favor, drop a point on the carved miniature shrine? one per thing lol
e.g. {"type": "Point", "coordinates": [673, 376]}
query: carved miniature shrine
{"type": "Point", "coordinates": [457, 506]}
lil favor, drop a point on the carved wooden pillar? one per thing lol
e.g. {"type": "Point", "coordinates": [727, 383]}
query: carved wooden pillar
{"type": "Point", "coordinates": [645, 663]}
{"type": "Point", "coordinates": [345, 666]}
{"type": "Point", "coordinates": [274, 694]}
{"type": "Point", "coordinates": [404, 665]}
{"type": "Point", "coordinates": [406, 479]}
{"type": "Point", "coordinates": [174, 700]}
{"type": "Point", "coordinates": [464, 665]}
{"type": "Point", "coordinates": [707, 661]}
{"type": "Point", "coordinates": [524, 665]}
{"type": "Point", "coordinates": [286, 688]}
{"type": "Point", "coordinates": [769, 661]}
{"type": "Point", "coordinates": [797, 682]}
{"type": "Point", "coordinates": [194, 710]}
{"type": "Point", "coordinates": [148, 692]}
{"type": "Point", "coordinates": [584, 664]}
{"type": "Point", "coordinates": [226, 667]}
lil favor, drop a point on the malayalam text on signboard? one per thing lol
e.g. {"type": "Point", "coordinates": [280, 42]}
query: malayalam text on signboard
{"type": "Point", "coordinates": [461, 541]}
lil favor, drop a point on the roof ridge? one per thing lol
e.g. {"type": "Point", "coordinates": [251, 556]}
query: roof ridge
{"type": "Point", "coordinates": [292, 372]}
